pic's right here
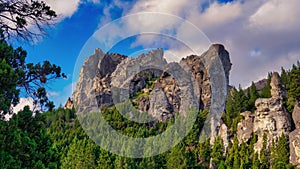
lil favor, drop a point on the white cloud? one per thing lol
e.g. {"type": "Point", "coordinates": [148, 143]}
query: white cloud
{"type": "Point", "coordinates": [166, 6]}
{"type": "Point", "coordinates": [64, 8]}
{"type": "Point", "coordinates": [276, 15]}
{"type": "Point", "coordinates": [215, 15]}
{"type": "Point", "coordinates": [20, 106]}
{"type": "Point", "coordinates": [261, 36]}
{"type": "Point", "coordinates": [94, 1]}
{"type": "Point", "coordinates": [52, 94]}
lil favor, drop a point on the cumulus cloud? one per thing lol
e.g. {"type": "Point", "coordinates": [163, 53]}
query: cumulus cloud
{"type": "Point", "coordinates": [64, 8]}
{"type": "Point", "coordinates": [280, 15]}
{"type": "Point", "coordinates": [261, 36]}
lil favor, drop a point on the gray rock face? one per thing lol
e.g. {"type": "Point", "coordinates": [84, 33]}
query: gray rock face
{"type": "Point", "coordinates": [296, 116]}
{"type": "Point", "coordinates": [277, 89]}
{"type": "Point", "coordinates": [84, 94]}
{"type": "Point", "coordinates": [171, 89]}
{"type": "Point", "coordinates": [107, 79]}
{"type": "Point", "coordinates": [106, 67]}
{"type": "Point", "coordinates": [294, 139]}
{"type": "Point", "coordinates": [245, 127]}
{"type": "Point", "coordinates": [160, 108]}
{"type": "Point", "coordinates": [271, 117]}
{"type": "Point", "coordinates": [202, 80]}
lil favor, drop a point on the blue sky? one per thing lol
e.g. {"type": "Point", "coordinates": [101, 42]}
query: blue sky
{"type": "Point", "coordinates": [258, 39]}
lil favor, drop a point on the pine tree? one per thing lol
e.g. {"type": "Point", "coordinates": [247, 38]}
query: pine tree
{"type": "Point", "coordinates": [255, 162]}
{"type": "Point", "coordinates": [294, 86]}
{"type": "Point", "coordinates": [16, 75]}
{"type": "Point", "coordinates": [24, 142]}
{"type": "Point", "coordinates": [204, 153]}
{"type": "Point", "coordinates": [106, 159]}
{"type": "Point", "coordinates": [266, 91]}
{"type": "Point", "coordinates": [264, 153]}
{"type": "Point", "coordinates": [284, 78]}
{"type": "Point", "coordinates": [217, 151]}
{"type": "Point", "coordinates": [282, 152]}
{"type": "Point", "coordinates": [253, 95]}
{"type": "Point", "coordinates": [222, 165]}
{"type": "Point", "coordinates": [80, 155]}
{"type": "Point", "coordinates": [177, 157]}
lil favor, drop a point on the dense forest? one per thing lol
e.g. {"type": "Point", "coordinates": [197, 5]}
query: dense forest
{"type": "Point", "coordinates": [55, 139]}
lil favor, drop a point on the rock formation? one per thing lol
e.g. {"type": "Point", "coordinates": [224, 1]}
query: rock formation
{"type": "Point", "coordinates": [84, 95]}
{"type": "Point", "coordinates": [152, 84]}
{"type": "Point", "coordinates": [294, 138]}
{"type": "Point", "coordinates": [106, 67]}
{"type": "Point", "coordinates": [223, 133]}
{"type": "Point", "coordinates": [245, 127]}
{"type": "Point", "coordinates": [296, 116]}
{"type": "Point", "coordinates": [271, 117]}
{"type": "Point", "coordinates": [69, 104]}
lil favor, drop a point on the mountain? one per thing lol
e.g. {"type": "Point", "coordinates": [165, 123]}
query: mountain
{"type": "Point", "coordinates": [258, 121]}
{"type": "Point", "coordinates": [152, 84]}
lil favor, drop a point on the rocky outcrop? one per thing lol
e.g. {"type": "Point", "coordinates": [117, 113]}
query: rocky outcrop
{"type": "Point", "coordinates": [271, 117]}
{"type": "Point", "coordinates": [294, 138]}
{"type": "Point", "coordinates": [199, 72]}
{"type": "Point", "coordinates": [102, 87]}
{"type": "Point", "coordinates": [152, 84]}
{"type": "Point", "coordinates": [160, 108]}
{"type": "Point", "coordinates": [245, 127]}
{"type": "Point", "coordinates": [84, 95]}
{"type": "Point", "coordinates": [296, 116]}
{"type": "Point", "coordinates": [69, 104]}
{"type": "Point", "coordinates": [171, 89]}
{"type": "Point", "coordinates": [223, 133]}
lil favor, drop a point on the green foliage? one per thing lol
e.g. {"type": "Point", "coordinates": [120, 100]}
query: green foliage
{"type": "Point", "coordinates": [24, 142]}
{"type": "Point", "coordinates": [264, 154]}
{"type": "Point", "coordinates": [55, 139]}
{"type": "Point", "coordinates": [291, 80]}
{"type": "Point", "coordinates": [252, 95]}
{"type": "Point", "coordinates": [294, 83]}
{"type": "Point", "coordinates": [266, 91]}
{"type": "Point", "coordinates": [237, 102]}
{"type": "Point", "coordinates": [177, 157]}
{"type": "Point", "coordinates": [17, 16]}
{"type": "Point", "coordinates": [217, 151]}
{"type": "Point", "coordinates": [16, 76]}
{"type": "Point", "coordinates": [280, 153]}
{"type": "Point", "coordinates": [204, 154]}
{"type": "Point", "coordinates": [81, 154]}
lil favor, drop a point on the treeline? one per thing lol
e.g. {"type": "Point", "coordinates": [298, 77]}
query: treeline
{"type": "Point", "coordinates": [241, 100]}
{"type": "Point", "coordinates": [56, 139]}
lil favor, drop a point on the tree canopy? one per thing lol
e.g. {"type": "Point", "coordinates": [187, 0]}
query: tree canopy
{"type": "Point", "coordinates": [24, 19]}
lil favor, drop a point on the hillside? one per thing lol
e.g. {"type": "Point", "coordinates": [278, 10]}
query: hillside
{"type": "Point", "coordinates": [259, 128]}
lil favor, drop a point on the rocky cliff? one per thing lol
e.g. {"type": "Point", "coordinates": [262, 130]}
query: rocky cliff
{"type": "Point", "coordinates": [151, 84]}
{"type": "Point", "coordinates": [294, 138]}
{"type": "Point", "coordinates": [270, 117]}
